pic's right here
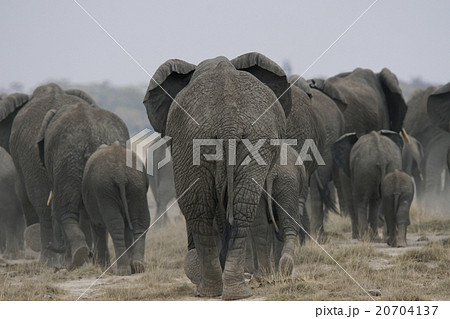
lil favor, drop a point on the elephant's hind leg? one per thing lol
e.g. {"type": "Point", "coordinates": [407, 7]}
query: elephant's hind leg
{"type": "Point", "coordinates": [199, 212]}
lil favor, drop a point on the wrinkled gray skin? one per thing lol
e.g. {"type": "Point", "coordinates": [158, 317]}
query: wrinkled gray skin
{"type": "Point", "coordinates": [304, 123]}
{"type": "Point", "coordinates": [270, 252]}
{"type": "Point", "coordinates": [369, 102]}
{"type": "Point", "coordinates": [162, 185]}
{"type": "Point", "coordinates": [367, 160]}
{"type": "Point", "coordinates": [29, 112]}
{"type": "Point", "coordinates": [333, 121]}
{"type": "Point", "coordinates": [412, 158]}
{"type": "Point", "coordinates": [12, 222]}
{"type": "Point", "coordinates": [225, 102]}
{"type": "Point", "coordinates": [67, 138]}
{"type": "Point", "coordinates": [397, 193]}
{"type": "Point", "coordinates": [115, 197]}
{"type": "Point", "coordinates": [428, 120]}
{"type": "Point", "coordinates": [10, 105]}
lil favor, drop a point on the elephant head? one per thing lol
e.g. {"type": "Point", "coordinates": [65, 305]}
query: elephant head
{"type": "Point", "coordinates": [342, 147]}
{"type": "Point", "coordinates": [438, 107]}
{"type": "Point", "coordinates": [174, 75]}
{"type": "Point", "coordinates": [301, 83]}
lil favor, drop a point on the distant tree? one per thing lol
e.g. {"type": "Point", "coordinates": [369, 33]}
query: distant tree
{"type": "Point", "coordinates": [287, 67]}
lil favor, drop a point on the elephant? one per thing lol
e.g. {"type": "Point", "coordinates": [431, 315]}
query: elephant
{"type": "Point", "coordinates": [369, 102]}
{"type": "Point", "coordinates": [9, 107]}
{"type": "Point", "coordinates": [67, 137]}
{"type": "Point", "coordinates": [26, 114]}
{"type": "Point", "coordinates": [278, 218]}
{"type": "Point", "coordinates": [412, 158]}
{"type": "Point", "coordinates": [234, 103]}
{"type": "Point", "coordinates": [162, 185]}
{"type": "Point", "coordinates": [115, 197]}
{"type": "Point", "coordinates": [427, 120]}
{"type": "Point", "coordinates": [397, 193]}
{"type": "Point", "coordinates": [12, 222]}
{"type": "Point", "coordinates": [333, 121]}
{"type": "Point", "coordinates": [366, 160]}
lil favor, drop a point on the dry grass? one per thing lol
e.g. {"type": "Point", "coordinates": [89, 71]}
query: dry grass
{"type": "Point", "coordinates": [418, 272]}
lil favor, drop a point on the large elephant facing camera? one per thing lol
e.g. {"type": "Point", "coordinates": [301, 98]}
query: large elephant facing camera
{"type": "Point", "coordinates": [234, 101]}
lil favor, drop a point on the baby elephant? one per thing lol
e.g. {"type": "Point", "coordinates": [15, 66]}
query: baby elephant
{"type": "Point", "coordinates": [115, 197]}
{"type": "Point", "coordinates": [397, 192]}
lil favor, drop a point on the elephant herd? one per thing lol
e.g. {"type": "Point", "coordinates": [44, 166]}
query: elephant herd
{"type": "Point", "coordinates": [277, 153]}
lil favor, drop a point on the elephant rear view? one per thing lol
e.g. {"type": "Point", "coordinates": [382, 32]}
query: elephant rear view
{"type": "Point", "coordinates": [67, 138]}
{"type": "Point", "coordinates": [235, 104]}
{"type": "Point", "coordinates": [397, 192]}
{"type": "Point", "coordinates": [366, 161]}
{"type": "Point", "coordinates": [428, 120]}
{"type": "Point", "coordinates": [12, 223]}
{"type": "Point", "coordinates": [115, 197]}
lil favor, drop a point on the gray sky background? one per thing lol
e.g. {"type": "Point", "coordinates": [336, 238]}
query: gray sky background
{"type": "Point", "coordinates": [55, 39]}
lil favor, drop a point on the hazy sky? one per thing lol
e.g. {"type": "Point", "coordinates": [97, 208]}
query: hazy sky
{"type": "Point", "coordinates": [55, 39]}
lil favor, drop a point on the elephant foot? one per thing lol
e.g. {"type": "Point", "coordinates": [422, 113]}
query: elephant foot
{"type": "Point", "coordinates": [237, 291]}
{"type": "Point", "coordinates": [355, 235]}
{"type": "Point", "coordinates": [192, 266]}
{"type": "Point", "coordinates": [321, 237]}
{"type": "Point", "coordinates": [122, 270]}
{"type": "Point", "coordinates": [80, 256]}
{"type": "Point", "coordinates": [32, 236]}
{"type": "Point", "coordinates": [13, 255]}
{"type": "Point", "coordinates": [137, 267]}
{"type": "Point", "coordinates": [286, 265]}
{"type": "Point", "coordinates": [51, 259]}
{"type": "Point", "coordinates": [209, 289]}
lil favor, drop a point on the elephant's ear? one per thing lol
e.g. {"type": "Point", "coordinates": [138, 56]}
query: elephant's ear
{"type": "Point", "coordinates": [394, 136]}
{"type": "Point", "coordinates": [269, 73]}
{"type": "Point", "coordinates": [169, 79]}
{"type": "Point", "coordinates": [11, 103]}
{"type": "Point", "coordinates": [301, 83]}
{"type": "Point", "coordinates": [41, 135]}
{"type": "Point", "coordinates": [330, 88]}
{"type": "Point", "coordinates": [341, 151]}
{"type": "Point", "coordinates": [82, 95]}
{"type": "Point", "coordinates": [438, 107]}
{"type": "Point", "coordinates": [396, 104]}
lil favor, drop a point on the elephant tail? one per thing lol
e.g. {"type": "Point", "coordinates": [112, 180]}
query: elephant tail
{"type": "Point", "coordinates": [230, 226]}
{"type": "Point", "coordinates": [325, 195]}
{"type": "Point", "coordinates": [396, 198]}
{"type": "Point", "coordinates": [270, 207]}
{"type": "Point", "coordinates": [123, 198]}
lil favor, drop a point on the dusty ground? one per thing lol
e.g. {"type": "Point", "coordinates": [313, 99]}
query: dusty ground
{"type": "Point", "coordinates": [420, 271]}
